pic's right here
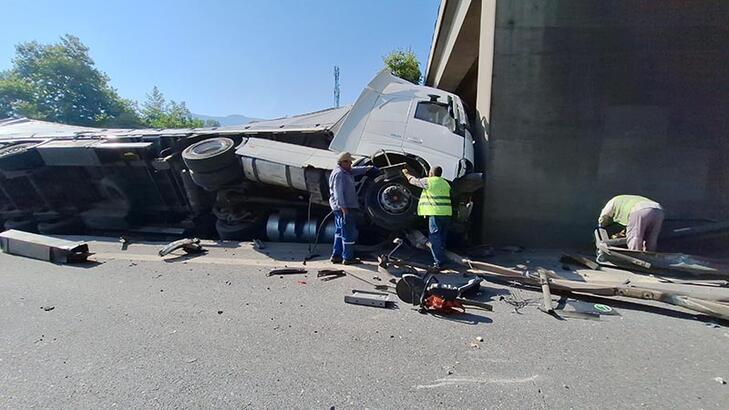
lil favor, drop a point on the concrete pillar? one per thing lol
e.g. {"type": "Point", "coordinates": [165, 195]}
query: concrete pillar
{"type": "Point", "coordinates": [485, 63]}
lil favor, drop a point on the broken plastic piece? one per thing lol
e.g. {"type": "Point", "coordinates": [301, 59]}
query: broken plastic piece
{"type": "Point", "coordinates": [189, 245]}
{"type": "Point", "coordinates": [43, 247]}
{"type": "Point", "coordinates": [286, 271]}
{"type": "Point", "coordinates": [365, 298]}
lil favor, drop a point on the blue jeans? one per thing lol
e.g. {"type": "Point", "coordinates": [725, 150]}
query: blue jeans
{"type": "Point", "coordinates": [438, 228]}
{"type": "Point", "coordinates": [345, 235]}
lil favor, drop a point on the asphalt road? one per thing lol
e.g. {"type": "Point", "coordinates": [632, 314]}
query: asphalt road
{"type": "Point", "coordinates": [134, 331]}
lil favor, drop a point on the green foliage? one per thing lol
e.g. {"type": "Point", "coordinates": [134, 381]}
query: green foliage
{"type": "Point", "coordinates": [156, 112]}
{"type": "Point", "coordinates": [59, 83]}
{"type": "Point", "coordinates": [404, 64]}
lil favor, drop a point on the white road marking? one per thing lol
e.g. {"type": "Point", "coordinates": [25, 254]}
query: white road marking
{"type": "Point", "coordinates": [472, 380]}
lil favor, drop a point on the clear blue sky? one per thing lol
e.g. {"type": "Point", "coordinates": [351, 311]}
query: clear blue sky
{"type": "Point", "coordinates": [261, 58]}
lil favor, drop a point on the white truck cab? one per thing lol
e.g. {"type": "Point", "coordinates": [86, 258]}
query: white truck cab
{"type": "Point", "coordinates": [398, 116]}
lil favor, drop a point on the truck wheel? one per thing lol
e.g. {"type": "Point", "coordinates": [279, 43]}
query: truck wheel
{"type": "Point", "coordinates": [238, 231]}
{"type": "Point", "coordinates": [391, 205]}
{"type": "Point", "coordinates": [213, 181]}
{"type": "Point", "coordinates": [19, 157]}
{"type": "Point", "coordinates": [210, 155]}
{"type": "Point", "coordinates": [233, 197]}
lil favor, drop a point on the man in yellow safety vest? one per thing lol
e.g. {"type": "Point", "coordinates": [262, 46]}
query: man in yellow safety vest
{"type": "Point", "coordinates": [435, 203]}
{"type": "Point", "coordinates": [641, 217]}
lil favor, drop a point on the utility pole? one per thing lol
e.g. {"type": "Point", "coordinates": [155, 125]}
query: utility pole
{"type": "Point", "coordinates": [336, 86]}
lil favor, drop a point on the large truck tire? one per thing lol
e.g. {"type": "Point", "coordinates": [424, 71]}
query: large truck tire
{"type": "Point", "coordinates": [200, 201]}
{"type": "Point", "coordinates": [241, 231]}
{"type": "Point", "coordinates": [210, 155]}
{"type": "Point", "coordinates": [391, 205]}
{"type": "Point", "coordinates": [20, 157]}
{"type": "Point", "coordinates": [213, 181]}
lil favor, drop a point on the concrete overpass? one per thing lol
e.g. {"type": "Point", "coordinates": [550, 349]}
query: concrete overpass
{"type": "Point", "coordinates": [578, 100]}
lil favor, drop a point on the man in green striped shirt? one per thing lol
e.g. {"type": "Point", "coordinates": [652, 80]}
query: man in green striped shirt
{"type": "Point", "coordinates": [642, 217]}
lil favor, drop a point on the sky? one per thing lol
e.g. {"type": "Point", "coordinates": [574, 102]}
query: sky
{"type": "Point", "coordinates": [259, 58]}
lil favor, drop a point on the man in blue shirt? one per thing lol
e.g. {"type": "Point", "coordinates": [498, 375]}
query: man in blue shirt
{"type": "Point", "coordinates": [343, 201]}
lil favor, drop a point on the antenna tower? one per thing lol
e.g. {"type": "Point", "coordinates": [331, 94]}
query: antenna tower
{"type": "Point", "coordinates": [336, 86]}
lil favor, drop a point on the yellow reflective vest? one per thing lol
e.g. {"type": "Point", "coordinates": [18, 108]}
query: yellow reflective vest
{"type": "Point", "coordinates": [436, 199]}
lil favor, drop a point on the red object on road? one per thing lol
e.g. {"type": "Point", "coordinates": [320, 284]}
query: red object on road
{"type": "Point", "coordinates": [436, 303]}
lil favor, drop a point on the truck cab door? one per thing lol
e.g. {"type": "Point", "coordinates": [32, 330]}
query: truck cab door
{"type": "Point", "coordinates": [431, 134]}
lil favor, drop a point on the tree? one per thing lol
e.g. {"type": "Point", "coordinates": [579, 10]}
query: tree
{"type": "Point", "coordinates": [404, 64]}
{"type": "Point", "coordinates": [153, 108]}
{"type": "Point", "coordinates": [158, 113]}
{"type": "Point", "coordinates": [59, 83]}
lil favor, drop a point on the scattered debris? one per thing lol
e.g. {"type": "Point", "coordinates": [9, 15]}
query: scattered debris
{"type": "Point", "coordinates": [301, 282]}
{"type": "Point", "coordinates": [286, 271]}
{"type": "Point", "coordinates": [374, 285]}
{"type": "Point", "coordinates": [258, 244]}
{"type": "Point", "coordinates": [592, 308]}
{"type": "Point", "coordinates": [571, 258]}
{"type": "Point", "coordinates": [48, 308]}
{"type": "Point", "coordinates": [719, 380]}
{"type": "Point", "coordinates": [674, 265]}
{"type": "Point", "coordinates": [479, 339]}
{"type": "Point", "coordinates": [712, 325]}
{"type": "Point", "coordinates": [713, 308]}
{"type": "Point", "coordinates": [432, 295]}
{"type": "Point", "coordinates": [220, 312]}
{"type": "Point", "coordinates": [191, 360]}
{"type": "Point", "coordinates": [330, 274]}
{"type": "Point", "coordinates": [365, 298]}
{"type": "Point", "coordinates": [124, 242]}
{"type": "Point", "coordinates": [189, 245]}
{"type": "Point", "coordinates": [475, 345]}
{"type": "Point", "coordinates": [43, 247]}
{"type": "Point", "coordinates": [546, 293]}
{"type": "Point", "coordinates": [516, 300]}
{"type": "Point", "coordinates": [377, 278]}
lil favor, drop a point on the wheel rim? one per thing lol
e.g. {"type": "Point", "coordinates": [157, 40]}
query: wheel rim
{"type": "Point", "coordinates": [394, 199]}
{"type": "Point", "coordinates": [206, 147]}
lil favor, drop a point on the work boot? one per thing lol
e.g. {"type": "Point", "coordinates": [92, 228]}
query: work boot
{"type": "Point", "coordinates": [353, 261]}
{"type": "Point", "coordinates": [335, 260]}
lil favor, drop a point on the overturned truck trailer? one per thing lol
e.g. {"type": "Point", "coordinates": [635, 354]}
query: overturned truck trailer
{"type": "Point", "coordinates": [267, 179]}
